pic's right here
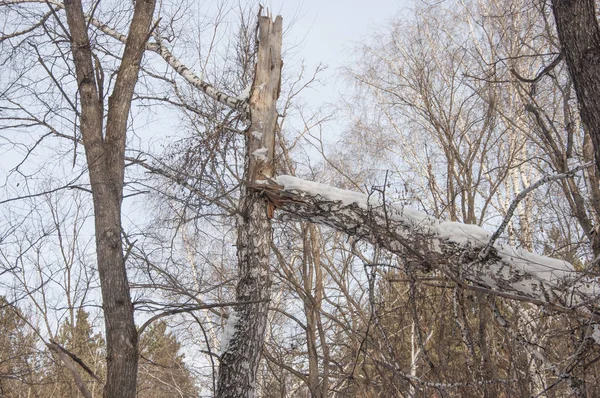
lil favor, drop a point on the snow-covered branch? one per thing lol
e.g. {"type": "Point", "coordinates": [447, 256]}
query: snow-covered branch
{"type": "Point", "coordinates": [428, 243]}
{"type": "Point", "coordinates": [239, 102]}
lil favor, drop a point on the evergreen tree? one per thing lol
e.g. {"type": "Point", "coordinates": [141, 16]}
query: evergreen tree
{"type": "Point", "coordinates": [17, 353]}
{"type": "Point", "coordinates": [78, 337]}
{"type": "Point", "coordinates": [162, 371]}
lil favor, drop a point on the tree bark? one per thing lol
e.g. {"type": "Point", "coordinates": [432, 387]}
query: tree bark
{"type": "Point", "coordinates": [505, 271]}
{"type": "Point", "coordinates": [312, 297]}
{"type": "Point", "coordinates": [105, 156]}
{"type": "Point", "coordinates": [241, 354]}
{"type": "Point", "coordinates": [579, 35]}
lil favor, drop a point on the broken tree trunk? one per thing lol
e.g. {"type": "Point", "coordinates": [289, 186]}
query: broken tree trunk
{"type": "Point", "coordinates": [427, 243]}
{"type": "Point", "coordinates": [243, 337]}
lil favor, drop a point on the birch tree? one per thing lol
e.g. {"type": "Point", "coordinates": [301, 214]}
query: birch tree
{"type": "Point", "coordinates": [246, 325]}
{"type": "Point", "coordinates": [414, 51]}
{"type": "Point", "coordinates": [465, 254]}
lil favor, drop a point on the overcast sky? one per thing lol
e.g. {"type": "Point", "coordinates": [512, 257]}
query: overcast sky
{"type": "Point", "coordinates": [327, 30]}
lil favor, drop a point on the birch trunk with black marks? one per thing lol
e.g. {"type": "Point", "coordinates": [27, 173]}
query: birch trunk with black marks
{"type": "Point", "coordinates": [240, 355]}
{"type": "Point", "coordinates": [105, 155]}
{"type": "Point", "coordinates": [427, 244]}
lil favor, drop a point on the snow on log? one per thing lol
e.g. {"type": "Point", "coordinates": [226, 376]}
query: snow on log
{"type": "Point", "coordinates": [428, 243]}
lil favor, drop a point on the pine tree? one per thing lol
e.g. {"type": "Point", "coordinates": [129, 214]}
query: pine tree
{"type": "Point", "coordinates": [78, 337]}
{"type": "Point", "coordinates": [17, 353]}
{"type": "Point", "coordinates": [162, 371]}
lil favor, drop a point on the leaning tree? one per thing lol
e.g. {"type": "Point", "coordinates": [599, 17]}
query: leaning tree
{"type": "Point", "coordinates": [466, 254]}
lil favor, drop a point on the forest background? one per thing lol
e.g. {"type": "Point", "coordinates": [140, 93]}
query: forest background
{"type": "Point", "coordinates": [453, 108]}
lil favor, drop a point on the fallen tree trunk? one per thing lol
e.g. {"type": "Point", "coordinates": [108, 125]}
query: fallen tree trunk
{"type": "Point", "coordinates": [428, 243]}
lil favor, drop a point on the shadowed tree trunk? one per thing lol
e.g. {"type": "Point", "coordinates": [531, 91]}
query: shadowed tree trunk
{"type": "Point", "coordinates": [579, 35]}
{"type": "Point", "coordinates": [105, 154]}
{"type": "Point", "coordinates": [241, 353]}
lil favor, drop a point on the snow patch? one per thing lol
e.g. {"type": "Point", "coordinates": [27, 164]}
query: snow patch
{"type": "Point", "coordinates": [260, 153]}
{"type": "Point", "coordinates": [327, 192]}
{"type": "Point", "coordinates": [245, 94]}
{"type": "Point", "coordinates": [257, 134]}
{"type": "Point", "coordinates": [463, 233]}
{"type": "Point", "coordinates": [540, 267]}
{"type": "Point", "coordinates": [229, 331]}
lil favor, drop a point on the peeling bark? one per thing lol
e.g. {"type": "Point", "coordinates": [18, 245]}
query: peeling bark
{"type": "Point", "coordinates": [239, 361]}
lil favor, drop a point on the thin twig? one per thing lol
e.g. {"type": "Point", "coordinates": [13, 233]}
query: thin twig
{"type": "Point", "coordinates": [513, 206]}
{"type": "Point", "coordinates": [193, 308]}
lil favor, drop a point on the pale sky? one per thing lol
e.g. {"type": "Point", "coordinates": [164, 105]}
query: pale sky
{"type": "Point", "coordinates": [327, 30]}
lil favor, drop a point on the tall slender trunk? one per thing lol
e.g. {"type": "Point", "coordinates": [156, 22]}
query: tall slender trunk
{"type": "Point", "coordinates": [240, 355]}
{"type": "Point", "coordinates": [313, 299]}
{"type": "Point", "coordinates": [105, 155]}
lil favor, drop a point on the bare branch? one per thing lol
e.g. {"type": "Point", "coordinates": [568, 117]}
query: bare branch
{"type": "Point", "coordinates": [543, 73]}
{"type": "Point", "coordinates": [176, 311]}
{"type": "Point", "coordinates": [513, 206]}
{"type": "Point", "coordinates": [238, 103]}
{"type": "Point", "coordinates": [68, 358]}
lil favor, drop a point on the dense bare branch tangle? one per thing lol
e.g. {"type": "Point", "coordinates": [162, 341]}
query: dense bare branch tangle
{"type": "Point", "coordinates": [464, 135]}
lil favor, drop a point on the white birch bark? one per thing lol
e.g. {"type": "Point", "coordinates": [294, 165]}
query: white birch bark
{"type": "Point", "coordinates": [240, 358]}
{"type": "Point", "coordinates": [428, 243]}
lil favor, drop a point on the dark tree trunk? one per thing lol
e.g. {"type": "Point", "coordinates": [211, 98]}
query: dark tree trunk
{"type": "Point", "coordinates": [105, 156]}
{"type": "Point", "coordinates": [579, 35]}
{"type": "Point", "coordinates": [240, 356]}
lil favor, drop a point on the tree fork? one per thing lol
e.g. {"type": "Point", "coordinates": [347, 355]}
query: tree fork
{"type": "Point", "coordinates": [240, 355]}
{"type": "Point", "coordinates": [105, 156]}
